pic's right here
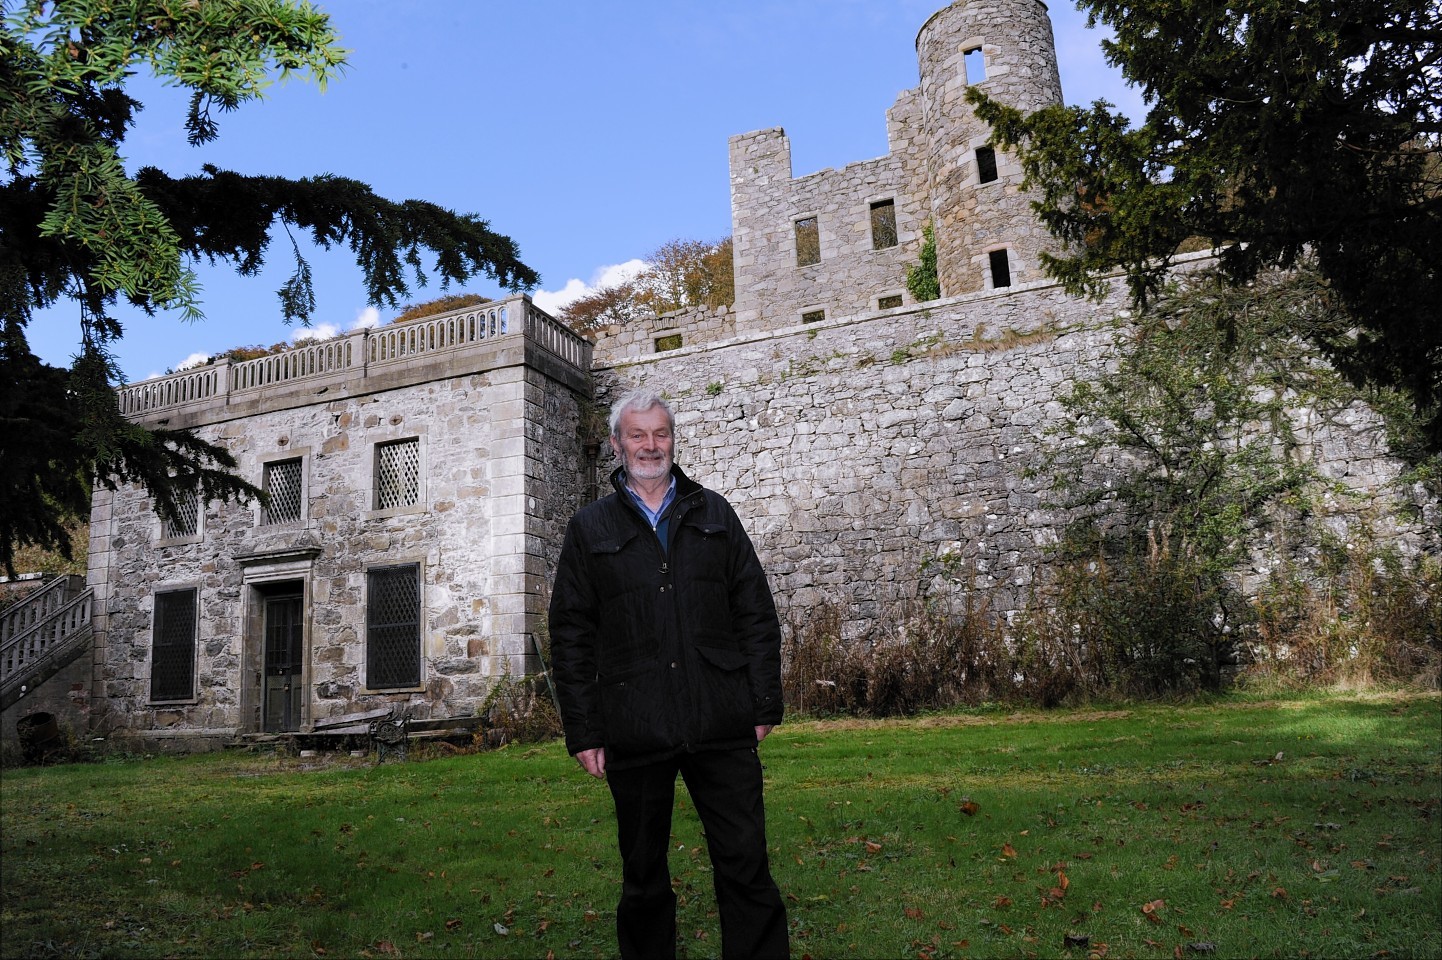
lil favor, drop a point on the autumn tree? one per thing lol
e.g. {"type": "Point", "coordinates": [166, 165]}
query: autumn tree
{"type": "Point", "coordinates": [1281, 133]}
{"type": "Point", "coordinates": [77, 226]}
{"type": "Point", "coordinates": [607, 305]}
{"type": "Point", "coordinates": [678, 274]}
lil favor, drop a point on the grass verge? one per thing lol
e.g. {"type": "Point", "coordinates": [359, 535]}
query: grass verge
{"type": "Point", "coordinates": [1301, 827]}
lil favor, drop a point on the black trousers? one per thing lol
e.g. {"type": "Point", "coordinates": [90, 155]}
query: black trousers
{"type": "Point", "coordinates": [725, 787]}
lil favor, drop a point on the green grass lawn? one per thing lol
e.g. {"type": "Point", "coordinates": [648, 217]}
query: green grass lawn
{"type": "Point", "coordinates": [1304, 827]}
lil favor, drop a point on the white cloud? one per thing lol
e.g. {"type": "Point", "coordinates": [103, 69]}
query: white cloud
{"type": "Point", "coordinates": [367, 318]}
{"type": "Point", "coordinates": [321, 331]}
{"type": "Point", "coordinates": [610, 276]}
{"type": "Point", "coordinates": [193, 361]}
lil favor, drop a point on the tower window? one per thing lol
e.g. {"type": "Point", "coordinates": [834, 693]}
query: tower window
{"type": "Point", "coordinates": [985, 164]}
{"type": "Point", "coordinates": [883, 224]}
{"type": "Point", "coordinates": [975, 66]}
{"type": "Point", "coordinates": [808, 242]}
{"type": "Point", "coordinates": [1000, 269]}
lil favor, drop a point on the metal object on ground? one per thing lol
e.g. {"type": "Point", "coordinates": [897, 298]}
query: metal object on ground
{"type": "Point", "coordinates": [391, 734]}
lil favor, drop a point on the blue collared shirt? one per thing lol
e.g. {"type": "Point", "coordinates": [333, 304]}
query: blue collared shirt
{"type": "Point", "coordinates": [654, 516]}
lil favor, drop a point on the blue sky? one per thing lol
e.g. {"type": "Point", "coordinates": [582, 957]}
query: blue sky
{"type": "Point", "coordinates": [590, 132]}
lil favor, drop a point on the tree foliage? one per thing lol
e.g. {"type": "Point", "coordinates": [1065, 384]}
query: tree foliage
{"type": "Point", "coordinates": [678, 274]}
{"type": "Point", "coordinates": [922, 281]}
{"type": "Point", "coordinates": [75, 225]}
{"type": "Point", "coordinates": [1194, 434]}
{"type": "Point", "coordinates": [1276, 131]}
{"type": "Point", "coordinates": [1177, 458]}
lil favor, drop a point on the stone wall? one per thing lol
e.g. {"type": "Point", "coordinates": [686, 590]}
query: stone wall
{"type": "Point", "coordinates": [766, 202]}
{"type": "Point", "coordinates": [857, 449]}
{"type": "Point", "coordinates": [689, 326]}
{"type": "Point", "coordinates": [500, 469]}
{"type": "Point", "coordinates": [930, 173]}
{"type": "Point", "coordinates": [1018, 59]}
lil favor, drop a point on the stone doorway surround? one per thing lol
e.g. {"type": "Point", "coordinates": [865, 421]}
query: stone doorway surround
{"type": "Point", "coordinates": [267, 577]}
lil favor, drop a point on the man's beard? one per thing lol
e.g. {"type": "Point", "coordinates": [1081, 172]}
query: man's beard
{"type": "Point", "coordinates": [647, 469]}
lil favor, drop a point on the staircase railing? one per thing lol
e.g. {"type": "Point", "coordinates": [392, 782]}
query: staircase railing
{"type": "Point", "coordinates": [23, 615]}
{"type": "Point", "coordinates": [41, 634]}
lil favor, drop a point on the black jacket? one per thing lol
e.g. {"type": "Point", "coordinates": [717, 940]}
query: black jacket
{"type": "Point", "coordinates": [661, 651]}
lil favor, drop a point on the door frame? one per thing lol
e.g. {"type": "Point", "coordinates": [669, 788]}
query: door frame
{"type": "Point", "coordinates": [266, 576]}
{"type": "Point", "coordinates": [290, 711]}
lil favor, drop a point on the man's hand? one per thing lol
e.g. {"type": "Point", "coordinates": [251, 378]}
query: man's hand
{"type": "Point", "coordinates": [762, 731]}
{"type": "Point", "coordinates": [593, 761]}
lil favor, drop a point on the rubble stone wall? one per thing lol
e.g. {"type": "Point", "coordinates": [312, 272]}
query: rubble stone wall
{"type": "Point", "coordinates": [859, 449]}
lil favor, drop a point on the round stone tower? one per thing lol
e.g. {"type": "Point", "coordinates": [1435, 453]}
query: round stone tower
{"type": "Point", "coordinates": [986, 233]}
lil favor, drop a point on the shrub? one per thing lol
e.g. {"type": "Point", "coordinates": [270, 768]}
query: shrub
{"type": "Point", "coordinates": [443, 304]}
{"type": "Point", "coordinates": [924, 658]}
{"type": "Point", "coordinates": [519, 710]}
{"type": "Point", "coordinates": [1135, 620]}
{"type": "Point", "coordinates": [1363, 616]}
{"type": "Point", "coordinates": [922, 280]}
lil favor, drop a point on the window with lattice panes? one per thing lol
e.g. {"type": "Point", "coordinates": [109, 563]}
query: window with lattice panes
{"type": "Point", "coordinates": [172, 646]}
{"type": "Point", "coordinates": [393, 626]}
{"type": "Point", "coordinates": [284, 490]}
{"type": "Point", "coordinates": [186, 522]}
{"type": "Point", "coordinates": [398, 474]}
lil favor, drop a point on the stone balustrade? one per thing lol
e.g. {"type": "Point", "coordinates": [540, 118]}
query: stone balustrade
{"type": "Point", "coordinates": [358, 355]}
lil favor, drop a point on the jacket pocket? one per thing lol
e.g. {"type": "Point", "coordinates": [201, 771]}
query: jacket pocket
{"type": "Point", "coordinates": [634, 712]}
{"type": "Point", "coordinates": [725, 710]}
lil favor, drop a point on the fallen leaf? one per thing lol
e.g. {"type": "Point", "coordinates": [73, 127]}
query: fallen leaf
{"type": "Point", "coordinates": [873, 847]}
{"type": "Point", "coordinates": [914, 913]}
{"type": "Point", "coordinates": [1279, 893]}
{"type": "Point", "coordinates": [453, 924]}
{"type": "Point", "coordinates": [1001, 902]}
{"type": "Point", "coordinates": [425, 937]}
{"type": "Point", "coordinates": [1007, 850]}
{"type": "Point", "coordinates": [970, 808]}
{"type": "Point", "coordinates": [1059, 891]}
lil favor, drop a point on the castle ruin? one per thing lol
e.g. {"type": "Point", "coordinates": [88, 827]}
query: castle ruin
{"type": "Point", "coordinates": [421, 474]}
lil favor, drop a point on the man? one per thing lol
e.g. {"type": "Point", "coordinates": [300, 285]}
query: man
{"type": "Point", "coordinates": [667, 656]}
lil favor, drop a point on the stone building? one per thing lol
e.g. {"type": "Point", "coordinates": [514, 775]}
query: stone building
{"type": "Point", "coordinates": [421, 474]}
{"type": "Point", "coordinates": [837, 242]}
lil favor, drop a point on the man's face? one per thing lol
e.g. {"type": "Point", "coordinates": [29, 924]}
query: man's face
{"type": "Point", "coordinates": [645, 444]}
